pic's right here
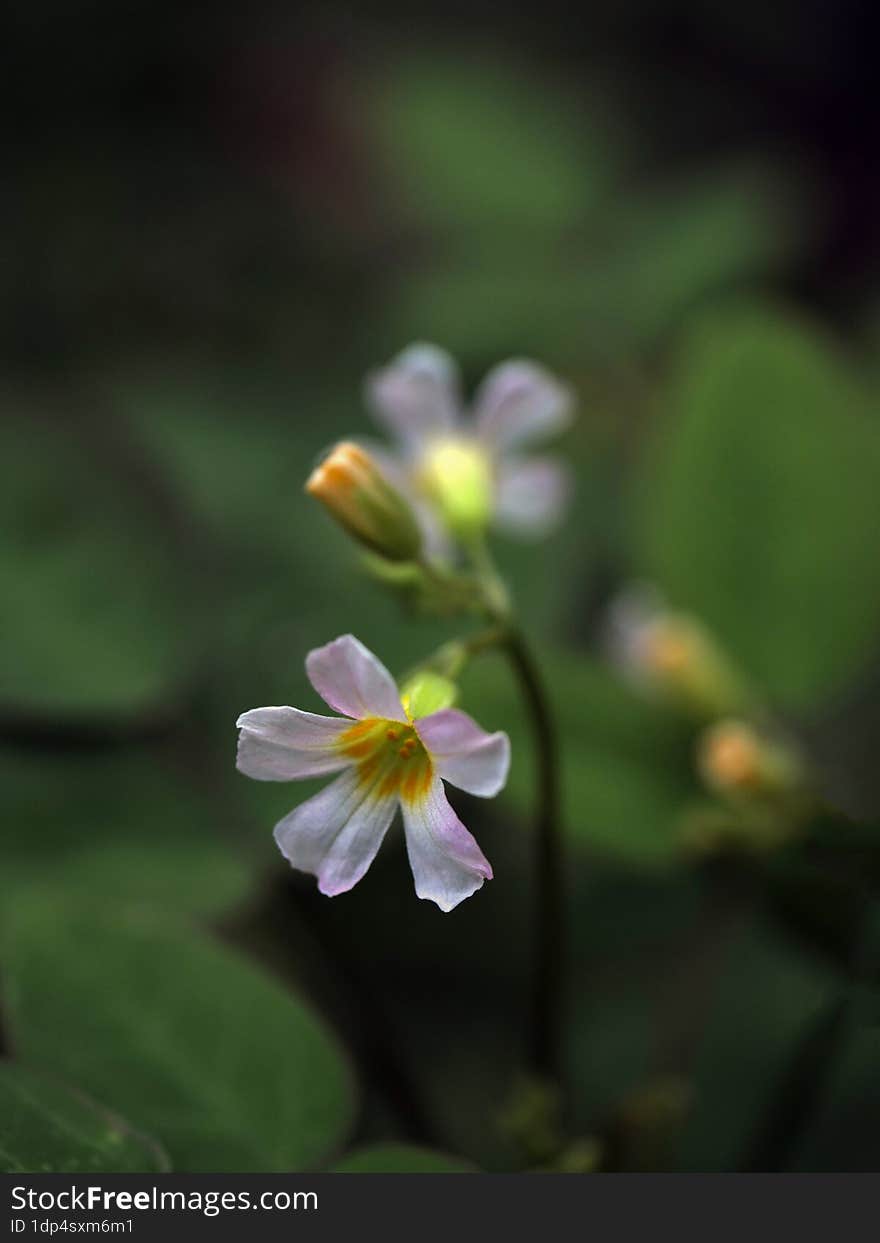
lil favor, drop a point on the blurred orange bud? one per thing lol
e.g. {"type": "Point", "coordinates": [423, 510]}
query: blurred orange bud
{"type": "Point", "coordinates": [673, 654]}
{"type": "Point", "coordinates": [353, 488]}
{"type": "Point", "coordinates": [734, 759]}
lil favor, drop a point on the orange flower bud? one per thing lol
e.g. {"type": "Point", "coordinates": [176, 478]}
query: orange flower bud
{"type": "Point", "coordinates": [735, 760]}
{"type": "Point", "coordinates": [352, 487]}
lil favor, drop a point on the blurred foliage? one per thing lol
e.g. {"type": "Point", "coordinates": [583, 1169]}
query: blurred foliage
{"type": "Point", "coordinates": [231, 1072]}
{"type": "Point", "coordinates": [96, 619]}
{"type": "Point", "coordinates": [49, 1127]}
{"type": "Point", "coordinates": [531, 230]}
{"type": "Point", "coordinates": [119, 826]}
{"type": "Point", "coordinates": [768, 995]}
{"type": "Point", "coordinates": [626, 763]}
{"type": "Point", "coordinates": [759, 500]}
{"type": "Point", "coordinates": [843, 1135]}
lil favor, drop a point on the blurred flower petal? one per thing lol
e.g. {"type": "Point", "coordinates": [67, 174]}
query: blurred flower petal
{"type": "Point", "coordinates": [531, 495]}
{"type": "Point", "coordinates": [447, 864]}
{"type": "Point", "coordinates": [282, 744]}
{"type": "Point", "coordinates": [629, 620]}
{"type": "Point", "coordinates": [416, 396]}
{"type": "Point", "coordinates": [350, 679]}
{"type": "Point", "coordinates": [336, 834]}
{"type": "Point", "coordinates": [519, 402]}
{"type": "Point", "coordinates": [464, 754]}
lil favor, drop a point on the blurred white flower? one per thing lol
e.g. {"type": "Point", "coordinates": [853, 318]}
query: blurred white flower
{"type": "Point", "coordinates": [672, 654]}
{"type": "Point", "coordinates": [472, 468]}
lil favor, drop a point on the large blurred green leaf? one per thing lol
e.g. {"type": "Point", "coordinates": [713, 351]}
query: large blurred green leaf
{"type": "Point", "coordinates": [400, 1159]}
{"type": "Point", "coordinates": [761, 510]}
{"type": "Point", "coordinates": [623, 281]}
{"type": "Point", "coordinates": [93, 614]}
{"type": "Point", "coordinates": [208, 1053]}
{"type": "Point", "coordinates": [48, 1127]}
{"type": "Point", "coordinates": [666, 247]}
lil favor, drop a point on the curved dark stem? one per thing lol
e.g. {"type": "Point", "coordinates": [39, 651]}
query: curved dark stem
{"type": "Point", "coordinates": [546, 1006]}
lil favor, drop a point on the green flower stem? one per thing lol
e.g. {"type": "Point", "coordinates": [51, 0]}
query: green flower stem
{"type": "Point", "coordinates": [450, 659]}
{"type": "Point", "coordinates": [546, 1006]}
{"type": "Point", "coordinates": [549, 965]}
{"type": "Point", "coordinates": [496, 600]}
{"type": "Point", "coordinates": [490, 596]}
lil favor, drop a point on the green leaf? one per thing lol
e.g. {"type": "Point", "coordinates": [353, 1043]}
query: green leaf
{"type": "Point", "coordinates": [667, 247]}
{"type": "Point", "coordinates": [179, 1031]}
{"type": "Point", "coordinates": [760, 502]}
{"type": "Point", "coordinates": [400, 1159]}
{"type": "Point", "coordinates": [619, 285]}
{"type": "Point", "coordinates": [47, 1127]}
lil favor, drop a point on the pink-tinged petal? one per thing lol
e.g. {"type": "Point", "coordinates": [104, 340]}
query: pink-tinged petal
{"type": "Point", "coordinates": [282, 744]}
{"type": "Point", "coordinates": [531, 496]}
{"type": "Point", "coordinates": [519, 402]}
{"type": "Point", "coordinates": [350, 679]}
{"type": "Point", "coordinates": [465, 755]}
{"type": "Point", "coordinates": [416, 396]}
{"type": "Point", "coordinates": [447, 864]}
{"type": "Point", "coordinates": [336, 834]}
{"type": "Point", "coordinates": [436, 540]}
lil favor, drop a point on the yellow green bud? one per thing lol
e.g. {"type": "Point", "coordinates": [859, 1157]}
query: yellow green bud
{"type": "Point", "coordinates": [352, 487]}
{"type": "Point", "coordinates": [426, 692]}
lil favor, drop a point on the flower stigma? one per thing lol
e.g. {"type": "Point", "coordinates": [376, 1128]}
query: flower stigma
{"type": "Point", "coordinates": [390, 758]}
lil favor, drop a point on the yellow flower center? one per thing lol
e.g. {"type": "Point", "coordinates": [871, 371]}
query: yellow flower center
{"type": "Point", "coordinates": [456, 474]}
{"type": "Point", "coordinates": [390, 758]}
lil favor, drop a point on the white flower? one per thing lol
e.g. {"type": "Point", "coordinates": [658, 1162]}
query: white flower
{"type": "Point", "coordinates": [473, 469]}
{"type": "Point", "coordinates": [386, 758]}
